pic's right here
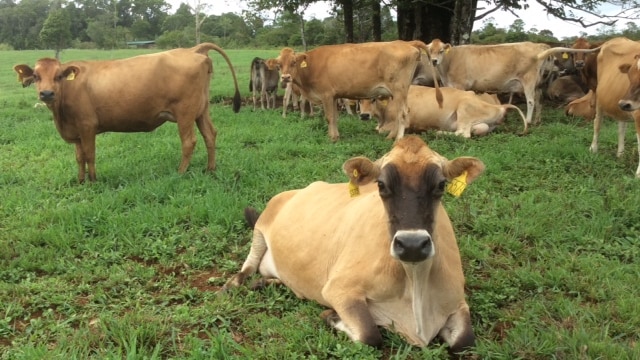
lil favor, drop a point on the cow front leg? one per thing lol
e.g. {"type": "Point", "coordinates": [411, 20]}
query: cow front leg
{"type": "Point", "coordinates": [597, 122]}
{"type": "Point", "coordinates": [82, 164]}
{"type": "Point", "coordinates": [457, 331]}
{"type": "Point", "coordinates": [88, 148]}
{"type": "Point", "coordinates": [330, 107]}
{"type": "Point", "coordinates": [354, 319]}
{"type": "Point", "coordinates": [622, 131]}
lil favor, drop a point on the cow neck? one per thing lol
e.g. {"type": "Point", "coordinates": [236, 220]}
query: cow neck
{"type": "Point", "coordinates": [58, 113]}
{"type": "Point", "coordinates": [419, 291]}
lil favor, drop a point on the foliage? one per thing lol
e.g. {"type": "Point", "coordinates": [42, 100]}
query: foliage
{"type": "Point", "coordinates": [129, 266]}
{"type": "Point", "coordinates": [56, 30]}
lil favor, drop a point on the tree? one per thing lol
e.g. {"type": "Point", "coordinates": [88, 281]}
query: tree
{"type": "Point", "coordinates": [56, 30]}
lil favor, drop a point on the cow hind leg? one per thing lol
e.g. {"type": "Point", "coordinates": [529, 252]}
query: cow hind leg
{"type": "Point", "coordinates": [252, 263]}
{"type": "Point", "coordinates": [187, 137]}
{"type": "Point", "coordinates": [209, 134]}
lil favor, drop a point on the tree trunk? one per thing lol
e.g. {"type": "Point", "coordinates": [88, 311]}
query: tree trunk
{"type": "Point", "coordinates": [302, 33]}
{"type": "Point", "coordinates": [449, 20]}
{"type": "Point", "coordinates": [376, 19]}
{"type": "Point", "coordinates": [347, 8]}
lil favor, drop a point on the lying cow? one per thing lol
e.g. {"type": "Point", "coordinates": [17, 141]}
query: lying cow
{"type": "Point", "coordinates": [462, 112]}
{"type": "Point", "coordinates": [129, 95]}
{"type": "Point", "coordinates": [617, 93]}
{"type": "Point", "coordinates": [503, 68]}
{"type": "Point", "coordinates": [263, 81]}
{"type": "Point", "coordinates": [354, 71]}
{"type": "Point", "coordinates": [584, 107]}
{"type": "Point", "coordinates": [378, 251]}
{"type": "Point", "coordinates": [566, 89]}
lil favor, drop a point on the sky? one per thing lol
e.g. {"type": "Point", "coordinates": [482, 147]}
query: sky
{"type": "Point", "coordinates": [534, 17]}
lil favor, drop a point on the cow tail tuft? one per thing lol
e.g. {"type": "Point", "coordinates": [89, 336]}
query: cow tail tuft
{"type": "Point", "coordinates": [251, 215]}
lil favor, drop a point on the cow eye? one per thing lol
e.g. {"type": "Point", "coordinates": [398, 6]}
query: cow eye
{"type": "Point", "coordinates": [382, 188]}
{"type": "Point", "coordinates": [36, 77]}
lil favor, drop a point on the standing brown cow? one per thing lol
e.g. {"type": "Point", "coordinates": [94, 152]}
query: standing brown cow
{"type": "Point", "coordinates": [129, 95]}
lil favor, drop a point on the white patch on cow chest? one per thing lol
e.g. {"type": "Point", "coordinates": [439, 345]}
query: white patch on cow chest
{"type": "Point", "coordinates": [268, 266]}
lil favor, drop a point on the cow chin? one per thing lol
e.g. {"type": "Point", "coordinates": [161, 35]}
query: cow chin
{"type": "Point", "coordinates": [412, 246]}
{"type": "Point", "coordinates": [629, 105]}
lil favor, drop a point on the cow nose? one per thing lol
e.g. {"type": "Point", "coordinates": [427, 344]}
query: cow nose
{"type": "Point", "coordinates": [579, 64]}
{"type": "Point", "coordinates": [365, 117]}
{"type": "Point", "coordinates": [286, 78]}
{"type": "Point", "coordinates": [46, 95]}
{"type": "Point", "coordinates": [625, 105]}
{"type": "Point", "coordinates": [435, 62]}
{"type": "Point", "coordinates": [412, 246]}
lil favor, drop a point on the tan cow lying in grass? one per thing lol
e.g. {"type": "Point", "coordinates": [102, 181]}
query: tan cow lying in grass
{"type": "Point", "coordinates": [379, 251]}
{"type": "Point", "coordinates": [463, 112]}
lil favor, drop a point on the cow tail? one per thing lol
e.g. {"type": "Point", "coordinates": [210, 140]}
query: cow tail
{"type": "Point", "coordinates": [204, 49]}
{"type": "Point", "coordinates": [524, 119]}
{"type": "Point", "coordinates": [251, 215]}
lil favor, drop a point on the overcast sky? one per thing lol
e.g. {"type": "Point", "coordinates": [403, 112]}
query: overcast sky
{"type": "Point", "coordinates": [534, 17]}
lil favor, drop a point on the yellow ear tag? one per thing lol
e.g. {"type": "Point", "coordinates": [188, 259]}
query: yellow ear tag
{"type": "Point", "coordinates": [447, 51]}
{"type": "Point", "coordinates": [457, 185]}
{"type": "Point", "coordinates": [565, 55]}
{"type": "Point", "coordinates": [71, 76]}
{"type": "Point", "coordinates": [303, 64]}
{"type": "Point", "coordinates": [354, 190]}
{"type": "Point", "coordinates": [384, 102]}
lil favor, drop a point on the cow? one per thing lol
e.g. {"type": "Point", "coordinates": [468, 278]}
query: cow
{"type": "Point", "coordinates": [515, 67]}
{"type": "Point", "coordinates": [378, 251]}
{"type": "Point", "coordinates": [129, 95]}
{"type": "Point", "coordinates": [354, 71]}
{"type": "Point", "coordinates": [583, 107]}
{"type": "Point", "coordinates": [463, 112]}
{"type": "Point", "coordinates": [566, 89]}
{"type": "Point", "coordinates": [264, 81]}
{"type": "Point", "coordinates": [617, 94]}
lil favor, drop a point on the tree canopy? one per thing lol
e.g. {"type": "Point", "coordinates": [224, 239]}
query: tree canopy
{"type": "Point", "coordinates": [57, 24]}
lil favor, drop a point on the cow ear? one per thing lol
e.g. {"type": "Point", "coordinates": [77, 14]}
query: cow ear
{"type": "Point", "coordinates": [456, 167]}
{"type": "Point", "coordinates": [361, 170]}
{"type": "Point", "coordinates": [70, 72]}
{"type": "Point", "coordinates": [25, 74]}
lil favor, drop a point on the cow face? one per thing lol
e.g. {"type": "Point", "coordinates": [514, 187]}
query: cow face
{"type": "Point", "coordinates": [289, 62]}
{"type": "Point", "coordinates": [411, 182]}
{"type": "Point", "coordinates": [48, 74]}
{"type": "Point", "coordinates": [437, 49]}
{"type": "Point", "coordinates": [631, 101]}
{"type": "Point", "coordinates": [579, 58]}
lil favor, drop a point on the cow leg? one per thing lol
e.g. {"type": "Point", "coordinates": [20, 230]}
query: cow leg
{"type": "Point", "coordinates": [209, 135]}
{"type": "Point", "coordinates": [252, 263]}
{"type": "Point", "coordinates": [622, 131]}
{"type": "Point", "coordinates": [285, 99]}
{"type": "Point", "coordinates": [352, 316]}
{"type": "Point", "coordinates": [82, 164]}
{"type": "Point", "coordinates": [637, 122]}
{"type": "Point", "coordinates": [188, 141]}
{"type": "Point", "coordinates": [253, 93]}
{"type": "Point", "coordinates": [331, 113]}
{"type": "Point", "coordinates": [457, 331]}
{"type": "Point", "coordinates": [597, 122]}
{"type": "Point", "coordinates": [537, 105]}
{"type": "Point", "coordinates": [88, 149]}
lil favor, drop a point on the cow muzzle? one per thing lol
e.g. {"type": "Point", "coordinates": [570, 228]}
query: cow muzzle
{"type": "Point", "coordinates": [47, 96]}
{"type": "Point", "coordinates": [365, 116]}
{"type": "Point", "coordinates": [412, 246]}
{"type": "Point", "coordinates": [628, 105]}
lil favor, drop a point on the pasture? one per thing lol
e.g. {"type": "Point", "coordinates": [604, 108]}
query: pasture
{"type": "Point", "coordinates": [128, 267]}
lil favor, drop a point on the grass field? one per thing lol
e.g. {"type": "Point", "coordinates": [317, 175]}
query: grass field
{"type": "Point", "coordinates": [128, 267]}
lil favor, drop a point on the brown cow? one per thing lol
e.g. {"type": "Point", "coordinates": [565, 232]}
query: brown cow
{"type": "Point", "coordinates": [566, 89]}
{"type": "Point", "coordinates": [379, 251]}
{"type": "Point", "coordinates": [354, 71]}
{"type": "Point", "coordinates": [463, 112]}
{"type": "Point", "coordinates": [129, 95]}
{"type": "Point", "coordinates": [504, 68]}
{"type": "Point", "coordinates": [616, 95]}
{"type": "Point", "coordinates": [264, 81]}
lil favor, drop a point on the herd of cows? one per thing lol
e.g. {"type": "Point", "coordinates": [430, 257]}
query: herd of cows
{"type": "Point", "coordinates": [406, 238]}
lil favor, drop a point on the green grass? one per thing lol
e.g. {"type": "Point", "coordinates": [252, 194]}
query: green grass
{"type": "Point", "coordinates": [128, 267]}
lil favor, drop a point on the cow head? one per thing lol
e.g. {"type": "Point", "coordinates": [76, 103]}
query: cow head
{"type": "Point", "coordinates": [631, 101]}
{"type": "Point", "coordinates": [579, 57]}
{"type": "Point", "coordinates": [289, 63]}
{"type": "Point", "coordinates": [437, 49]}
{"type": "Point", "coordinates": [411, 181]}
{"type": "Point", "coordinates": [48, 74]}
